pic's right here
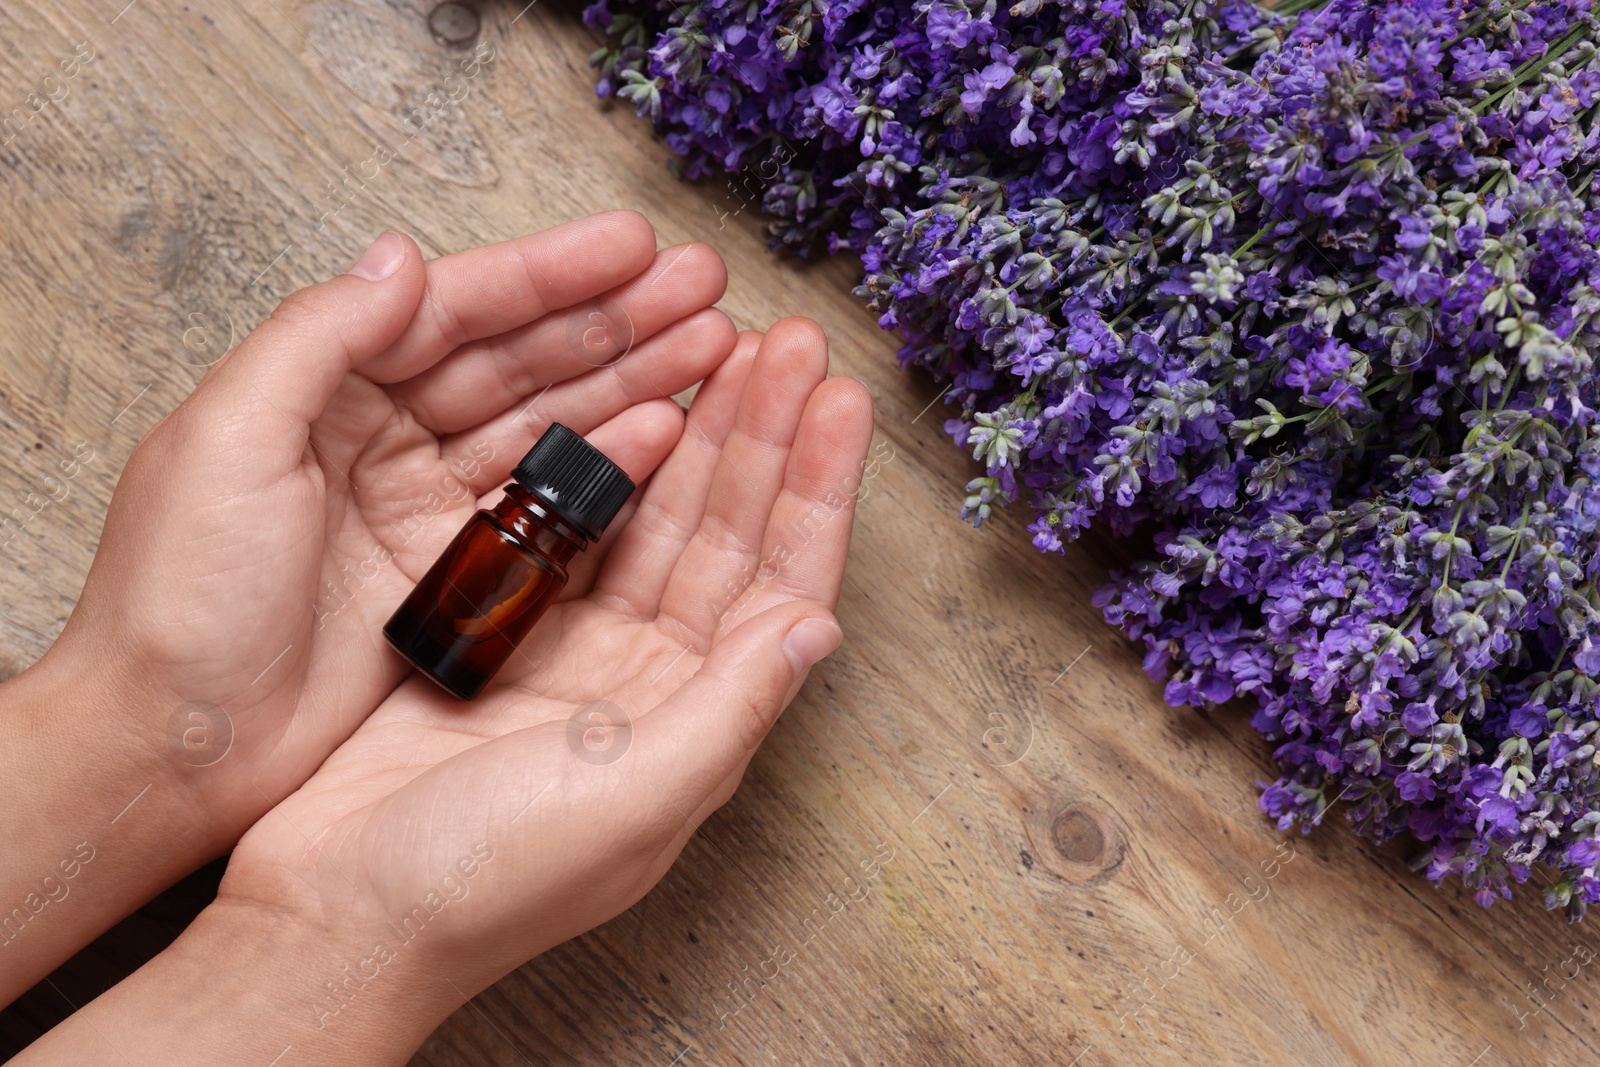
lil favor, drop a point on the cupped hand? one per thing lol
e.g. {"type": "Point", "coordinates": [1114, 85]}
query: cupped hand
{"type": "Point", "coordinates": [264, 529]}
{"type": "Point", "coordinates": [456, 840]}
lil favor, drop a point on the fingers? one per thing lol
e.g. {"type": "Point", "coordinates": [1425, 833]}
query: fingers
{"type": "Point", "coordinates": [265, 394]}
{"type": "Point", "coordinates": [669, 512]}
{"type": "Point", "coordinates": [694, 741]}
{"type": "Point", "coordinates": [723, 554]}
{"type": "Point", "coordinates": [668, 363]}
{"type": "Point", "coordinates": [808, 534]}
{"type": "Point", "coordinates": [483, 378]}
{"type": "Point", "coordinates": [487, 291]}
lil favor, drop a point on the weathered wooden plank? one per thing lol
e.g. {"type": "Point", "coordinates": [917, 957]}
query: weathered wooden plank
{"type": "Point", "coordinates": [1068, 880]}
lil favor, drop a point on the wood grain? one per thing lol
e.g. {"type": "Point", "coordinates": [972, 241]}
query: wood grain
{"type": "Point", "coordinates": [953, 850]}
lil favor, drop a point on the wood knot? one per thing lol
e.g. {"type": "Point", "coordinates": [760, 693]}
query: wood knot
{"type": "Point", "coordinates": [1081, 843]}
{"type": "Point", "coordinates": [454, 24]}
{"type": "Point", "coordinates": [1077, 837]}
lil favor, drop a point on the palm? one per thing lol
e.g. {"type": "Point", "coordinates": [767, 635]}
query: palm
{"type": "Point", "coordinates": [424, 763]}
{"type": "Point", "coordinates": [768, 452]}
{"type": "Point", "coordinates": [272, 527]}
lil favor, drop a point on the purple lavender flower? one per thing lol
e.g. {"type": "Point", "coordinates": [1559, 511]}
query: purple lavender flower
{"type": "Point", "coordinates": [1312, 292]}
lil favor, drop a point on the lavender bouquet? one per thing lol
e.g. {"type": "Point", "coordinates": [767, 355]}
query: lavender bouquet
{"type": "Point", "coordinates": [1309, 290]}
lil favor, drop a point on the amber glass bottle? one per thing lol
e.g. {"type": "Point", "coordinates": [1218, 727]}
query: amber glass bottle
{"type": "Point", "coordinates": [482, 596]}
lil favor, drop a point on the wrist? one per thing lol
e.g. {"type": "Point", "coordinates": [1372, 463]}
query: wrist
{"type": "Point", "coordinates": [99, 823]}
{"type": "Point", "coordinates": [243, 983]}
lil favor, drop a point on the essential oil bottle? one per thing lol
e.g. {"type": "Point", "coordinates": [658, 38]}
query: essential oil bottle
{"type": "Point", "coordinates": [508, 563]}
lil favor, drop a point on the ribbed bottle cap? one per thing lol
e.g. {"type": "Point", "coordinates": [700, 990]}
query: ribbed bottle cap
{"type": "Point", "coordinates": [575, 479]}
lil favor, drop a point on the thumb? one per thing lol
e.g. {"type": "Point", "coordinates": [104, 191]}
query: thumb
{"type": "Point", "coordinates": [707, 730]}
{"type": "Point", "coordinates": [290, 366]}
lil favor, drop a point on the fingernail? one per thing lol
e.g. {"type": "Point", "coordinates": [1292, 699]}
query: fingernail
{"type": "Point", "coordinates": [809, 640]}
{"type": "Point", "coordinates": [382, 259]}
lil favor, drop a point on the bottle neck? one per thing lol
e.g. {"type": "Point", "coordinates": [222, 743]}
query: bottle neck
{"type": "Point", "coordinates": [533, 522]}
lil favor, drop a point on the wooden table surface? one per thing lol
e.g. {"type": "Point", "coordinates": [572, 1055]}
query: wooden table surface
{"type": "Point", "coordinates": [978, 836]}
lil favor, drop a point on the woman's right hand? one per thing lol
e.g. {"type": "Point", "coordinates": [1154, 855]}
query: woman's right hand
{"type": "Point", "coordinates": [448, 841]}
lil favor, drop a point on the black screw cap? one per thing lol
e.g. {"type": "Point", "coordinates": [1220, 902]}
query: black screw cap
{"type": "Point", "coordinates": [575, 478]}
